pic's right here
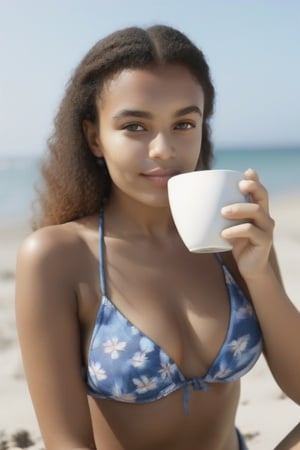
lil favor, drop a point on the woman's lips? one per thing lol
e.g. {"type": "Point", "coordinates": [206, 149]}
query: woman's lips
{"type": "Point", "coordinates": [160, 177]}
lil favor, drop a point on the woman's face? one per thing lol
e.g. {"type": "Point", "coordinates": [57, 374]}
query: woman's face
{"type": "Point", "coordinates": [150, 128]}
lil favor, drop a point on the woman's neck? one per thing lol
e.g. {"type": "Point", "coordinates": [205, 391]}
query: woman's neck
{"type": "Point", "coordinates": [127, 217]}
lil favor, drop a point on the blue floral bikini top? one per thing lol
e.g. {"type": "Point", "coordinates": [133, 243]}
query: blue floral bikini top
{"type": "Point", "coordinates": [126, 365]}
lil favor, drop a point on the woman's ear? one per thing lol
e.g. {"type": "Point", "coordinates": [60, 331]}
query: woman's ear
{"type": "Point", "coordinates": [91, 133]}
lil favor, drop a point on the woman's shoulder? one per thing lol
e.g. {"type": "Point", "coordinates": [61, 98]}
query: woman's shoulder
{"type": "Point", "coordinates": [51, 239]}
{"type": "Point", "coordinates": [58, 244]}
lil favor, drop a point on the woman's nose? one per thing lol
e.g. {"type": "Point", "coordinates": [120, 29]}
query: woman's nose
{"type": "Point", "coordinates": [161, 147]}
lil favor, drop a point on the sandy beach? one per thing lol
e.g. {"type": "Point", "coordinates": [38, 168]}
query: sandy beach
{"type": "Point", "coordinates": [264, 416]}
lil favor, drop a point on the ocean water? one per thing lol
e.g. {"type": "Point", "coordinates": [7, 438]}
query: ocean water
{"type": "Point", "coordinates": [279, 170]}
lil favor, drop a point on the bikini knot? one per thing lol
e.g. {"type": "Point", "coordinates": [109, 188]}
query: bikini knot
{"type": "Point", "coordinates": [198, 385]}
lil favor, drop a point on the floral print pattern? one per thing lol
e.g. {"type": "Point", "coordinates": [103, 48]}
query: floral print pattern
{"type": "Point", "coordinates": [238, 346]}
{"type": "Point", "coordinates": [126, 365]}
{"type": "Point", "coordinates": [114, 346]}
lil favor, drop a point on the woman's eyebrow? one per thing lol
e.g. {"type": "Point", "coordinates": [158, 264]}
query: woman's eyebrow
{"type": "Point", "coordinates": [132, 113]}
{"type": "Point", "coordinates": [188, 110]}
{"type": "Point", "coordinates": [147, 115]}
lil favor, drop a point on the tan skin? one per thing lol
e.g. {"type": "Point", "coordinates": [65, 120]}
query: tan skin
{"type": "Point", "coordinates": [177, 298]}
{"type": "Point", "coordinates": [291, 441]}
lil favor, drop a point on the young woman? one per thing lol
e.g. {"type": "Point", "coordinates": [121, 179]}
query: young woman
{"type": "Point", "coordinates": [129, 340]}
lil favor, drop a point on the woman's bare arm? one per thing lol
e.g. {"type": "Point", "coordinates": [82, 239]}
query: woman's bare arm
{"type": "Point", "coordinates": [46, 312]}
{"type": "Point", "coordinates": [280, 322]}
{"type": "Point", "coordinates": [256, 261]}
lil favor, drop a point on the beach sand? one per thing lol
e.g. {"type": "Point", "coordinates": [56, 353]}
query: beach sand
{"type": "Point", "coordinates": [264, 416]}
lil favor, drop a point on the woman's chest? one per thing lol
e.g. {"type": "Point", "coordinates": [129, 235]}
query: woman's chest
{"type": "Point", "coordinates": [181, 305]}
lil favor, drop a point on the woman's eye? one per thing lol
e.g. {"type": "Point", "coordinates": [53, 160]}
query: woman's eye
{"type": "Point", "coordinates": [184, 126]}
{"type": "Point", "coordinates": [133, 127]}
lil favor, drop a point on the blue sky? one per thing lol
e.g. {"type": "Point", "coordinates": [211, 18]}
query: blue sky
{"type": "Point", "coordinates": [253, 48]}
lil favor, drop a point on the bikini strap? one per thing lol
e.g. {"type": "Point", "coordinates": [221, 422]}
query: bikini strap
{"type": "Point", "coordinates": [101, 253]}
{"type": "Point", "coordinates": [219, 258]}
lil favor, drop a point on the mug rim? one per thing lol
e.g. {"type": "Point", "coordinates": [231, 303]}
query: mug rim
{"type": "Point", "coordinates": [238, 172]}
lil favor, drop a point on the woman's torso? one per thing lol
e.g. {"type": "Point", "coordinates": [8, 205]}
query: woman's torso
{"type": "Point", "coordinates": [181, 302]}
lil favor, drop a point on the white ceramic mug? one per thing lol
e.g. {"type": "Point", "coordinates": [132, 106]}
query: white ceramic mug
{"type": "Point", "coordinates": [196, 199]}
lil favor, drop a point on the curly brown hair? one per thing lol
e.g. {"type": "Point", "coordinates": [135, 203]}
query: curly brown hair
{"type": "Point", "coordinates": [73, 184]}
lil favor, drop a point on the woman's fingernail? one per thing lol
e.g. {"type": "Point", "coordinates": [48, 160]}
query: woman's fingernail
{"type": "Point", "coordinates": [226, 210]}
